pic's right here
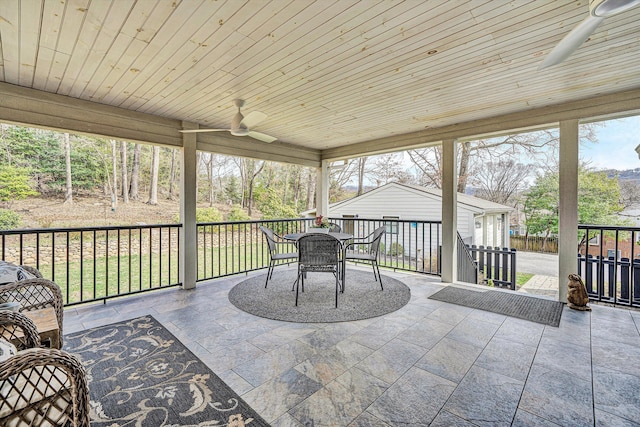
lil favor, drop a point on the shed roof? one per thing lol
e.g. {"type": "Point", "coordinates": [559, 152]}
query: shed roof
{"type": "Point", "coordinates": [475, 204]}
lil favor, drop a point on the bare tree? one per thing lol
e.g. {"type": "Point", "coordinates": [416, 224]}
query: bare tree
{"type": "Point", "coordinates": [249, 170]}
{"type": "Point", "coordinates": [134, 192]}
{"type": "Point", "coordinates": [311, 189]}
{"type": "Point", "coordinates": [629, 194]}
{"type": "Point", "coordinates": [541, 145]}
{"type": "Point", "coordinates": [153, 186]}
{"type": "Point", "coordinates": [501, 181]}
{"type": "Point", "coordinates": [173, 173]}
{"type": "Point", "coordinates": [114, 174]}
{"type": "Point", "coordinates": [124, 170]}
{"type": "Point", "coordinates": [210, 177]}
{"type": "Point", "coordinates": [362, 165]}
{"type": "Point", "coordinates": [68, 196]}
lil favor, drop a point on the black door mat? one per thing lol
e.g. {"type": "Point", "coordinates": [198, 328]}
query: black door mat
{"type": "Point", "coordinates": [529, 308]}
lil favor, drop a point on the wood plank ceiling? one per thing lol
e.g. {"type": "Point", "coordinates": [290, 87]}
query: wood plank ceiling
{"type": "Point", "coordinates": [328, 73]}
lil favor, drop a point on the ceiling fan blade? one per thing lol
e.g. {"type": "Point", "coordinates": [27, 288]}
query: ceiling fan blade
{"type": "Point", "coordinates": [203, 130]}
{"type": "Point", "coordinates": [252, 119]}
{"type": "Point", "coordinates": [572, 41]}
{"type": "Point", "coordinates": [262, 137]}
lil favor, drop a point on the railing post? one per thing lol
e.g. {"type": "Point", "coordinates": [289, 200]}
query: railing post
{"type": "Point", "coordinates": [636, 279]}
{"type": "Point", "coordinates": [611, 263]}
{"type": "Point", "coordinates": [505, 264]}
{"type": "Point", "coordinates": [489, 272]}
{"type": "Point", "coordinates": [513, 269]}
{"type": "Point", "coordinates": [481, 265]}
{"type": "Point", "coordinates": [589, 274]}
{"type": "Point", "coordinates": [624, 278]}
{"type": "Point", "coordinates": [496, 256]}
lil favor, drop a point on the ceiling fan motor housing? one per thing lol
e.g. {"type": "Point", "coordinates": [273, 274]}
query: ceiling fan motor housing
{"type": "Point", "coordinates": [605, 8]}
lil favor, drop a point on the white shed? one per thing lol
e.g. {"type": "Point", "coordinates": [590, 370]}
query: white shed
{"type": "Point", "coordinates": [480, 222]}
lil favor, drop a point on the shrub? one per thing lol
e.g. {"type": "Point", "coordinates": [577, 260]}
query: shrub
{"type": "Point", "coordinates": [9, 220]}
{"type": "Point", "coordinates": [396, 249]}
{"type": "Point", "coordinates": [206, 215]}
{"type": "Point", "coordinates": [237, 214]}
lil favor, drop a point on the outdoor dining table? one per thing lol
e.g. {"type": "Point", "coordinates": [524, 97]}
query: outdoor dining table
{"type": "Point", "coordinates": [343, 237]}
{"type": "Point", "coordinates": [340, 236]}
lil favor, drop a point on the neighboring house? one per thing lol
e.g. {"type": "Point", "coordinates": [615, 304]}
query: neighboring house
{"type": "Point", "coordinates": [480, 222]}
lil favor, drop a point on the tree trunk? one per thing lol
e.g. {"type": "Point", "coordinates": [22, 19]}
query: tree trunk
{"type": "Point", "coordinates": [210, 180]}
{"type": "Point", "coordinates": [361, 165]}
{"type": "Point", "coordinates": [68, 197]}
{"type": "Point", "coordinates": [114, 174]}
{"type": "Point", "coordinates": [125, 178]}
{"type": "Point", "coordinates": [134, 192]}
{"type": "Point", "coordinates": [172, 174]}
{"type": "Point", "coordinates": [153, 187]}
{"type": "Point", "coordinates": [463, 172]}
{"type": "Point", "coordinates": [311, 186]}
{"type": "Point", "coordinates": [198, 162]}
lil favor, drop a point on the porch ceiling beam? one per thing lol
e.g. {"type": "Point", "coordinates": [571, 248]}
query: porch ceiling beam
{"type": "Point", "coordinates": [218, 142]}
{"type": "Point", "coordinates": [30, 107]}
{"type": "Point", "coordinates": [614, 105]}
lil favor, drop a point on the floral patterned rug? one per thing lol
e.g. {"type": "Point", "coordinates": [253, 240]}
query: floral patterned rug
{"type": "Point", "coordinates": [139, 374]}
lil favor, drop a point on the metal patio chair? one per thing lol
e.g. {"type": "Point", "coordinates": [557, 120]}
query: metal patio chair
{"type": "Point", "coordinates": [274, 241]}
{"type": "Point", "coordinates": [367, 251]}
{"type": "Point", "coordinates": [319, 253]}
{"type": "Point", "coordinates": [334, 228]}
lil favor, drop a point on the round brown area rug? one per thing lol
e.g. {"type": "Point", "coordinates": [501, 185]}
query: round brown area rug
{"type": "Point", "coordinates": [362, 298]}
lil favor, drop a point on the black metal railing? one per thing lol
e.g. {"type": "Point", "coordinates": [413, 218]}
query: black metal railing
{"type": "Point", "coordinates": [231, 248]}
{"type": "Point", "coordinates": [227, 248]}
{"type": "Point", "coordinates": [497, 266]}
{"type": "Point", "coordinates": [609, 263]}
{"type": "Point", "coordinates": [407, 245]}
{"type": "Point", "coordinates": [98, 263]}
{"type": "Point", "coordinates": [467, 265]}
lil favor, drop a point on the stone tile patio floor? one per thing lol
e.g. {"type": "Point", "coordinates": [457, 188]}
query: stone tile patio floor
{"type": "Point", "coordinates": [429, 363]}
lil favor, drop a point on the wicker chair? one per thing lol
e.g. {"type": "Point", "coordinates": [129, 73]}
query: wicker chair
{"type": "Point", "coordinates": [19, 330]}
{"type": "Point", "coordinates": [35, 294]}
{"type": "Point", "coordinates": [274, 241]}
{"type": "Point", "coordinates": [370, 254]}
{"type": "Point", "coordinates": [43, 386]}
{"type": "Point", "coordinates": [318, 253]}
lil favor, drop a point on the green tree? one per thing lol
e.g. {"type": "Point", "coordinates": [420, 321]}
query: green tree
{"type": "Point", "coordinates": [14, 184]}
{"type": "Point", "coordinates": [598, 202]}
{"type": "Point", "coordinates": [271, 206]}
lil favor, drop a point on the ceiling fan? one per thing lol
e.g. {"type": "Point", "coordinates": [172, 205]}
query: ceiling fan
{"type": "Point", "coordinates": [598, 11]}
{"type": "Point", "coordinates": [241, 125]}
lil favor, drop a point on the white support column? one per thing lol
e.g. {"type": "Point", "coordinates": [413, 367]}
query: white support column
{"type": "Point", "coordinates": [568, 212]}
{"type": "Point", "coordinates": [495, 231]}
{"type": "Point", "coordinates": [485, 231]}
{"type": "Point", "coordinates": [506, 228]}
{"type": "Point", "coordinates": [322, 189]}
{"type": "Point", "coordinates": [449, 211]}
{"type": "Point", "coordinates": [188, 235]}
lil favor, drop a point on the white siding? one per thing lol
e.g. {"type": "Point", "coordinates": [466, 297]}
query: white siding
{"type": "Point", "coordinates": [404, 203]}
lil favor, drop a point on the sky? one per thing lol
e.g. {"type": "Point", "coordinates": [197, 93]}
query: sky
{"type": "Point", "coordinates": [615, 149]}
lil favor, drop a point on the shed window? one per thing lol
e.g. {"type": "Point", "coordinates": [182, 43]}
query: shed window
{"type": "Point", "coordinates": [348, 223]}
{"type": "Point", "coordinates": [391, 226]}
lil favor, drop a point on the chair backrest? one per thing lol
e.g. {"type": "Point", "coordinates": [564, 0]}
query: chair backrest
{"type": "Point", "coordinates": [271, 241]}
{"type": "Point", "coordinates": [318, 249]}
{"type": "Point", "coordinates": [19, 329]}
{"type": "Point", "coordinates": [377, 238]}
{"type": "Point", "coordinates": [334, 228]}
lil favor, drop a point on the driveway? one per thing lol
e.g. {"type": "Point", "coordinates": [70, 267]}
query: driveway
{"type": "Point", "coordinates": [535, 263]}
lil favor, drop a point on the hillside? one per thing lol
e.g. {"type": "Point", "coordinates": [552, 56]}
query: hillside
{"type": "Point", "coordinates": [87, 211]}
